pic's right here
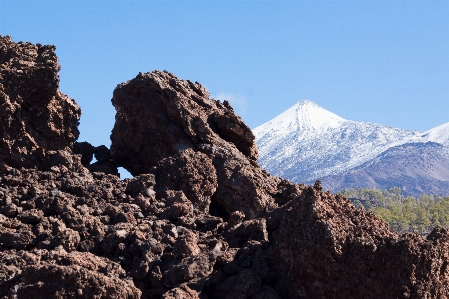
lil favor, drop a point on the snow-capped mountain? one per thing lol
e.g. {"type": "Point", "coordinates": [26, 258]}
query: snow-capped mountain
{"type": "Point", "coordinates": [307, 142]}
{"type": "Point", "coordinates": [416, 168]}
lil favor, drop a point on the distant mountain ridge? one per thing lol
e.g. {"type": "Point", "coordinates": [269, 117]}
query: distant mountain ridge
{"type": "Point", "coordinates": [307, 142]}
{"type": "Point", "coordinates": [415, 167]}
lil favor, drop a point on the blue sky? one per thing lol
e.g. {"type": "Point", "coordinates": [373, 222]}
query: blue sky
{"type": "Point", "coordinates": [378, 61]}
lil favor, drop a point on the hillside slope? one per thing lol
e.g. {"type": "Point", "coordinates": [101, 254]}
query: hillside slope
{"type": "Point", "coordinates": [306, 143]}
{"type": "Point", "coordinates": [416, 168]}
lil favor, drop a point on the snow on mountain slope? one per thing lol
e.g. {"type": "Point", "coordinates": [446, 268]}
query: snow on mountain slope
{"type": "Point", "coordinates": [415, 168]}
{"type": "Point", "coordinates": [438, 134]}
{"type": "Point", "coordinates": [307, 142]}
{"type": "Point", "coordinates": [304, 116]}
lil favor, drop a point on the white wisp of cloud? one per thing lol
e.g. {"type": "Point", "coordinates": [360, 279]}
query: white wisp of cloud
{"type": "Point", "coordinates": [237, 102]}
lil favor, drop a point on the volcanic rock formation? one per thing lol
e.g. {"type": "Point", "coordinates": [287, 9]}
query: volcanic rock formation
{"type": "Point", "coordinates": [160, 117]}
{"type": "Point", "coordinates": [38, 122]}
{"type": "Point", "coordinates": [200, 219]}
{"type": "Point", "coordinates": [102, 155]}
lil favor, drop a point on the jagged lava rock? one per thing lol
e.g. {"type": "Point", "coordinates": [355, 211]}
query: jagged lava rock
{"type": "Point", "coordinates": [189, 171]}
{"type": "Point", "coordinates": [160, 116]}
{"type": "Point", "coordinates": [301, 243]}
{"type": "Point", "coordinates": [200, 219]}
{"type": "Point", "coordinates": [39, 123]}
{"type": "Point", "coordinates": [324, 247]}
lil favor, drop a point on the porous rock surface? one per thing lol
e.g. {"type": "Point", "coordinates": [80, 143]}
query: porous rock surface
{"type": "Point", "coordinates": [38, 122]}
{"type": "Point", "coordinates": [160, 117]}
{"type": "Point", "coordinates": [200, 220]}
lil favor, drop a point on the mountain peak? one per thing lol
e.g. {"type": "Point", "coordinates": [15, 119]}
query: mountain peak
{"type": "Point", "coordinates": [303, 116]}
{"type": "Point", "coordinates": [312, 116]}
{"type": "Point", "coordinates": [306, 103]}
{"type": "Point", "coordinates": [307, 142]}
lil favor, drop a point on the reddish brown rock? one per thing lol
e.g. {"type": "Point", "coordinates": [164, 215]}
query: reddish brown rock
{"type": "Point", "coordinates": [201, 219]}
{"type": "Point", "coordinates": [39, 123]}
{"type": "Point", "coordinates": [190, 268]}
{"type": "Point", "coordinates": [326, 248]}
{"type": "Point", "coordinates": [191, 172]}
{"type": "Point", "coordinates": [60, 282]}
{"type": "Point", "coordinates": [183, 292]}
{"type": "Point", "coordinates": [169, 117]}
{"type": "Point", "coordinates": [159, 115]}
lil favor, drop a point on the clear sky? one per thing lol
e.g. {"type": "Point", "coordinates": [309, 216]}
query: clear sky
{"type": "Point", "coordinates": [377, 61]}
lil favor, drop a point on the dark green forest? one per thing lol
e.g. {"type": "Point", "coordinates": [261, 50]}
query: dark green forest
{"type": "Point", "coordinates": [403, 213]}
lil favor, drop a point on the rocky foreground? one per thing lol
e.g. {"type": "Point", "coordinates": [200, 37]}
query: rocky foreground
{"type": "Point", "coordinates": [200, 219]}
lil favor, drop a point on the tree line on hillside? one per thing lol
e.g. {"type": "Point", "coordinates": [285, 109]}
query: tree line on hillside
{"type": "Point", "coordinates": [403, 213]}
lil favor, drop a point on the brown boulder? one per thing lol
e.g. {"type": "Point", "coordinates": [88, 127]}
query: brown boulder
{"type": "Point", "coordinates": [39, 123]}
{"type": "Point", "coordinates": [160, 116]}
{"type": "Point", "coordinates": [324, 247]}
